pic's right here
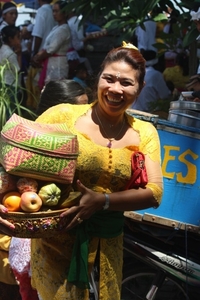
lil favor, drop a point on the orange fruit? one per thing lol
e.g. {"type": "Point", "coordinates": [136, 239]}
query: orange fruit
{"type": "Point", "coordinates": [12, 201]}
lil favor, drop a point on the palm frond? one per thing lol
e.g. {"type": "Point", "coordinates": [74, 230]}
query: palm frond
{"type": "Point", "coordinates": [8, 107]}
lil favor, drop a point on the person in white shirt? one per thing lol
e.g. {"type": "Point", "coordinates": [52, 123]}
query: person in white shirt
{"type": "Point", "coordinates": [155, 87]}
{"type": "Point", "coordinates": [146, 38]}
{"type": "Point", "coordinates": [9, 14]}
{"type": "Point", "coordinates": [11, 38]}
{"type": "Point", "coordinates": [169, 28]}
{"type": "Point", "coordinates": [78, 40]}
{"type": "Point", "coordinates": [11, 61]}
{"type": "Point", "coordinates": [53, 55]}
{"type": "Point", "coordinates": [44, 22]}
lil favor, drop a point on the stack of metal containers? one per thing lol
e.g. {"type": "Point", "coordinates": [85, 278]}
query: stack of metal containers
{"type": "Point", "coordinates": [185, 111]}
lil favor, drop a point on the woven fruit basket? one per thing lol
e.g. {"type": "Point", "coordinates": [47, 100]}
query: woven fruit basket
{"type": "Point", "coordinates": [41, 224]}
{"type": "Point", "coordinates": [37, 168]}
{"type": "Point", "coordinates": [36, 225]}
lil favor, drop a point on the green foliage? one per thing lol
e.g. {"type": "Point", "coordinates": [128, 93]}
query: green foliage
{"type": "Point", "coordinates": [161, 105]}
{"type": "Point", "coordinates": [190, 37]}
{"type": "Point", "coordinates": [7, 106]}
{"type": "Point", "coordinates": [122, 16]}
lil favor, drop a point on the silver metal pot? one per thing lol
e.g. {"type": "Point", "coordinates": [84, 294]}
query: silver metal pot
{"type": "Point", "coordinates": [183, 119]}
{"type": "Point", "coordinates": [186, 112]}
{"type": "Point", "coordinates": [185, 105]}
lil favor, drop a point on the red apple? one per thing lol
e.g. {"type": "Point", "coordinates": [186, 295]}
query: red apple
{"type": "Point", "coordinates": [30, 202]}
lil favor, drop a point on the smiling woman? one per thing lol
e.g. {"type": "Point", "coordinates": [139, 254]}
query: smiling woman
{"type": "Point", "coordinates": [107, 137]}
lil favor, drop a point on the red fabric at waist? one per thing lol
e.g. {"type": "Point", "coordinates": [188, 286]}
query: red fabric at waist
{"type": "Point", "coordinates": [54, 55]}
{"type": "Point", "coordinates": [44, 70]}
{"type": "Point", "coordinates": [70, 50]}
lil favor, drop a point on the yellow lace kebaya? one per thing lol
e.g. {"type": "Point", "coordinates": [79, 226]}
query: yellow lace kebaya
{"type": "Point", "coordinates": [104, 170]}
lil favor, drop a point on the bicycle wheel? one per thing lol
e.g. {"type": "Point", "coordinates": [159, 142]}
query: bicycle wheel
{"type": "Point", "coordinates": [138, 280]}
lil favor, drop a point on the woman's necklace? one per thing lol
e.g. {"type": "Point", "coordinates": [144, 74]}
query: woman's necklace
{"type": "Point", "coordinates": [109, 144]}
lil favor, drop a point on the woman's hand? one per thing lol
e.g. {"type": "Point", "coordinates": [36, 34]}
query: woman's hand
{"type": "Point", "coordinates": [37, 59]}
{"type": "Point", "coordinates": [35, 62]}
{"type": "Point", "coordinates": [89, 203]}
{"type": "Point", "coordinates": [5, 226]}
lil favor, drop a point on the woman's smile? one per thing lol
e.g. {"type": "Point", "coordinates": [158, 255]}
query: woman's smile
{"type": "Point", "coordinates": [118, 86]}
{"type": "Point", "coordinates": [114, 99]}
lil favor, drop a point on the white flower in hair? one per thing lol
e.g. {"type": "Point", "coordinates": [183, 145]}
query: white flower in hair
{"type": "Point", "coordinates": [129, 46]}
{"type": "Point", "coordinates": [195, 15]}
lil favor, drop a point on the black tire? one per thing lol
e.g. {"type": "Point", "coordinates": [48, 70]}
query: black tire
{"type": "Point", "coordinates": [137, 282]}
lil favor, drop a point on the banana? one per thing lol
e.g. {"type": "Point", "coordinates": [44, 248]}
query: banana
{"type": "Point", "coordinates": [71, 200]}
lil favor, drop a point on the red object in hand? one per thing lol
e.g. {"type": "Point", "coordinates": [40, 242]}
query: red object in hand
{"type": "Point", "coordinates": [139, 174]}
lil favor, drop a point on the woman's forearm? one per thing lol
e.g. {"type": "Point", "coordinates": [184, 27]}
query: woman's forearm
{"type": "Point", "coordinates": [133, 199]}
{"type": "Point", "coordinates": [42, 55]}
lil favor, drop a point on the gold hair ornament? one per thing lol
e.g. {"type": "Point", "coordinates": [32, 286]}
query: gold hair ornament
{"type": "Point", "coordinates": [129, 46]}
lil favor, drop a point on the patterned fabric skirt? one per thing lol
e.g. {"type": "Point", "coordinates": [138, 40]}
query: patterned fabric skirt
{"type": "Point", "coordinates": [50, 259]}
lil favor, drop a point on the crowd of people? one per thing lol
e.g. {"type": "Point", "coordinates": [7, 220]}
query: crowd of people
{"type": "Point", "coordinates": [50, 49]}
{"type": "Point", "coordinates": [54, 48]}
{"type": "Point", "coordinates": [167, 75]}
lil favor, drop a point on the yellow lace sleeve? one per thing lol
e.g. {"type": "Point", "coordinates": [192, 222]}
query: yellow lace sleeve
{"type": "Point", "coordinates": [156, 190]}
{"type": "Point", "coordinates": [55, 114]}
{"type": "Point", "coordinates": [150, 146]}
{"type": "Point", "coordinates": [149, 139]}
{"type": "Point", "coordinates": [64, 113]}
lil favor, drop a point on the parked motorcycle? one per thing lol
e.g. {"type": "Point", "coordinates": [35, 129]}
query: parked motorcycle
{"type": "Point", "coordinates": [160, 263]}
